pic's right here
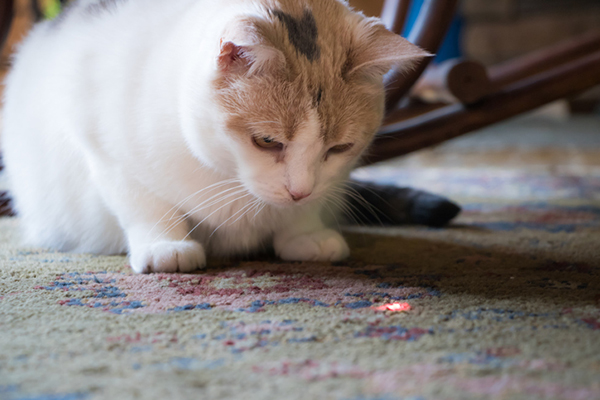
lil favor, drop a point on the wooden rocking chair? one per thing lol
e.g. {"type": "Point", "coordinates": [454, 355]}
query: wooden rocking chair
{"type": "Point", "coordinates": [483, 96]}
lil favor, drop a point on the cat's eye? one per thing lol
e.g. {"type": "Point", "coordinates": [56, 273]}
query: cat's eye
{"type": "Point", "coordinates": [339, 149]}
{"type": "Point", "coordinates": [267, 143]}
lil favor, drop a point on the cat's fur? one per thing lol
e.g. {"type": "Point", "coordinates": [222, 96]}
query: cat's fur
{"type": "Point", "coordinates": [128, 123]}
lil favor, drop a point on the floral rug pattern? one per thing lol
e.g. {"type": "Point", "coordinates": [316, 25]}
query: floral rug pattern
{"type": "Point", "coordinates": [248, 288]}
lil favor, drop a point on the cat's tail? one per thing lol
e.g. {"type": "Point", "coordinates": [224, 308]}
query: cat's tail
{"type": "Point", "coordinates": [374, 204]}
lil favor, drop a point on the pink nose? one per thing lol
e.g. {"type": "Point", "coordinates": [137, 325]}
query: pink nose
{"type": "Point", "coordinates": [297, 196]}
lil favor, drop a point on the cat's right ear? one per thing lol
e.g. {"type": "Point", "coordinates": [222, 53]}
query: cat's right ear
{"type": "Point", "coordinates": [377, 50]}
{"type": "Point", "coordinates": [249, 60]}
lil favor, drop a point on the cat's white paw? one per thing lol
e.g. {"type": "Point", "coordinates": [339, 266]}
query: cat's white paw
{"type": "Point", "coordinates": [168, 256]}
{"type": "Point", "coordinates": [325, 245]}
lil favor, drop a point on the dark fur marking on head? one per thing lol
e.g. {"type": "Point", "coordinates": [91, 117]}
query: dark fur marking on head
{"type": "Point", "coordinates": [303, 33]}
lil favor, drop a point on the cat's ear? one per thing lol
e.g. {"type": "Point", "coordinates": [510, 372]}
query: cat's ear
{"type": "Point", "coordinates": [378, 50]}
{"type": "Point", "coordinates": [249, 59]}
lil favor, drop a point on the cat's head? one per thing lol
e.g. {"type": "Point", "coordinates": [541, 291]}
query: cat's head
{"type": "Point", "coordinates": [300, 89]}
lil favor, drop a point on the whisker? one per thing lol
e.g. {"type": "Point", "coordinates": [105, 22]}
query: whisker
{"type": "Point", "coordinates": [348, 208]}
{"type": "Point", "coordinates": [253, 205]}
{"type": "Point", "coordinates": [364, 186]}
{"type": "Point", "coordinates": [203, 205]}
{"type": "Point", "coordinates": [344, 207]}
{"type": "Point", "coordinates": [256, 207]}
{"type": "Point", "coordinates": [354, 194]}
{"type": "Point", "coordinates": [200, 207]}
{"type": "Point", "coordinates": [330, 210]}
{"type": "Point", "coordinates": [178, 206]}
{"type": "Point", "coordinates": [211, 188]}
{"type": "Point", "coordinates": [259, 210]}
{"type": "Point", "coordinates": [247, 206]}
{"type": "Point", "coordinates": [362, 197]}
{"type": "Point", "coordinates": [212, 213]}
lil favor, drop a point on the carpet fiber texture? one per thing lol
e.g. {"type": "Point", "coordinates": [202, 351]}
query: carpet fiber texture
{"type": "Point", "coordinates": [503, 304]}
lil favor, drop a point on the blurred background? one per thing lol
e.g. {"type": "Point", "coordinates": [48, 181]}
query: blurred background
{"type": "Point", "coordinates": [498, 30]}
{"type": "Point", "coordinates": [493, 31]}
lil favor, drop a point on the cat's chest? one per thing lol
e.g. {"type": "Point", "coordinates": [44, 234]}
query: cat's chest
{"type": "Point", "coordinates": [219, 212]}
{"type": "Point", "coordinates": [237, 224]}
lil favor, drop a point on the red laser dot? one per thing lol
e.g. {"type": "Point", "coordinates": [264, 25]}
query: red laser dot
{"type": "Point", "coordinates": [396, 307]}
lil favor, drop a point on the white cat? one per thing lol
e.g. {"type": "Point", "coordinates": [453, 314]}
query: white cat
{"type": "Point", "coordinates": [173, 129]}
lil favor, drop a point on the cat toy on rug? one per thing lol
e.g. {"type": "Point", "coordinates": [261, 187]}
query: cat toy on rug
{"type": "Point", "coordinates": [173, 130]}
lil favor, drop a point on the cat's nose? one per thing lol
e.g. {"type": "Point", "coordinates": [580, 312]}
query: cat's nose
{"type": "Point", "coordinates": [297, 196]}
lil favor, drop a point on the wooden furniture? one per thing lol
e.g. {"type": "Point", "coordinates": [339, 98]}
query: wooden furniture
{"type": "Point", "coordinates": [475, 96]}
{"type": "Point", "coordinates": [515, 87]}
{"type": "Point", "coordinates": [6, 17]}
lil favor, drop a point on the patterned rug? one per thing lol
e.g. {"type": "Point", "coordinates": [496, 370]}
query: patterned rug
{"type": "Point", "coordinates": [503, 304]}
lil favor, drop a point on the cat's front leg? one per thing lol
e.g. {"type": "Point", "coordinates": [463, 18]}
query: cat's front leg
{"type": "Point", "coordinates": [168, 254]}
{"type": "Point", "coordinates": [157, 233]}
{"type": "Point", "coordinates": [160, 243]}
{"type": "Point", "coordinates": [308, 239]}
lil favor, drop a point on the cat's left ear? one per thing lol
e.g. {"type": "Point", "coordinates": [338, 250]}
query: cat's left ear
{"type": "Point", "coordinates": [378, 51]}
{"type": "Point", "coordinates": [249, 59]}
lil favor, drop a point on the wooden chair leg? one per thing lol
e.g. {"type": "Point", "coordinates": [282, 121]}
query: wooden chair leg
{"type": "Point", "coordinates": [6, 17]}
{"type": "Point", "coordinates": [428, 33]}
{"type": "Point", "coordinates": [453, 81]}
{"type": "Point", "coordinates": [394, 14]}
{"type": "Point", "coordinates": [38, 14]}
{"type": "Point", "coordinates": [512, 71]}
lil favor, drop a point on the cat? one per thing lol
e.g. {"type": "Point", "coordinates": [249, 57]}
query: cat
{"type": "Point", "coordinates": [173, 130]}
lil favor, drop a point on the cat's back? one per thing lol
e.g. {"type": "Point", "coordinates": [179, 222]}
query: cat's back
{"type": "Point", "coordinates": [76, 85]}
{"type": "Point", "coordinates": [93, 47]}
{"type": "Point", "coordinates": [68, 76]}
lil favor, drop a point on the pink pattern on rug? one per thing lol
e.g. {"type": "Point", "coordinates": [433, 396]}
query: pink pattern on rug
{"type": "Point", "coordinates": [10, 294]}
{"type": "Point", "coordinates": [504, 386]}
{"type": "Point", "coordinates": [248, 287]}
{"type": "Point", "coordinates": [593, 323]}
{"type": "Point", "coordinates": [407, 381]}
{"type": "Point", "coordinates": [410, 380]}
{"type": "Point", "coordinates": [311, 370]}
{"type": "Point", "coordinates": [140, 338]}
